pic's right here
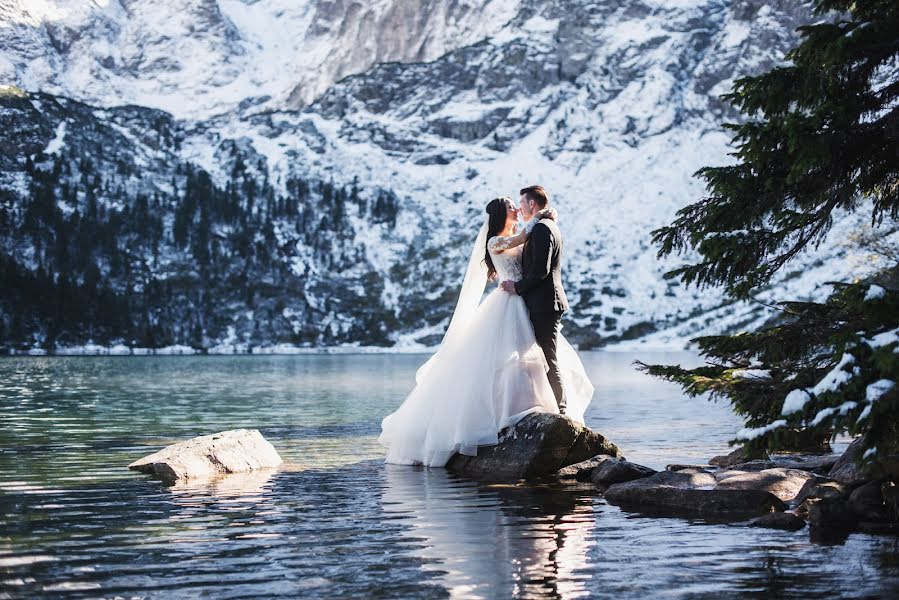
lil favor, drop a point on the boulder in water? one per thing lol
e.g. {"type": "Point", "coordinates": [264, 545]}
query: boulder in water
{"type": "Point", "coordinates": [618, 471]}
{"type": "Point", "coordinates": [693, 492]}
{"type": "Point", "coordinates": [779, 520]}
{"type": "Point", "coordinates": [535, 447]}
{"type": "Point", "coordinates": [581, 471]}
{"type": "Point", "coordinates": [783, 483]}
{"type": "Point", "coordinates": [234, 451]}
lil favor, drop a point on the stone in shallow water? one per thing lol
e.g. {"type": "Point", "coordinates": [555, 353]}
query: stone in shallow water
{"type": "Point", "coordinates": [779, 520]}
{"type": "Point", "coordinates": [783, 483]}
{"type": "Point", "coordinates": [618, 471]}
{"type": "Point", "coordinates": [820, 488]}
{"type": "Point", "coordinates": [233, 451]}
{"type": "Point", "coordinates": [581, 471]}
{"type": "Point", "coordinates": [819, 465]}
{"type": "Point", "coordinates": [535, 447]}
{"type": "Point", "coordinates": [738, 456]}
{"type": "Point", "coordinates": [690, 491]}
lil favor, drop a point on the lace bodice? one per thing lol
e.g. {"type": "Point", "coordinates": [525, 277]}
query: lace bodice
{"type": "Point", "coordinates": [506, 260]}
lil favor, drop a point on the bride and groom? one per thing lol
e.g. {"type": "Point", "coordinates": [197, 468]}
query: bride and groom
{"type": "Point", "coordinates": [500, 359]}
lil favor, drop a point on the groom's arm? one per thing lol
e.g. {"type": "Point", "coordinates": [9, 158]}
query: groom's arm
{"type": "Point", "coordinates": [539, 269]}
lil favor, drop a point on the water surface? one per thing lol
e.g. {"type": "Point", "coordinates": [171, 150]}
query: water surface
{"type": "Point", "coordinates": [335, 521]}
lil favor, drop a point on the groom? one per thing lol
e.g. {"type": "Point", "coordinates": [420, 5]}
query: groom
{"type": "Point", "coordinates": [541, 282]}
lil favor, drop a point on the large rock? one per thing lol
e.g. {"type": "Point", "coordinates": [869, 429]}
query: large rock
{"type": "Point", "coordinates": [779, 520]}
{"type": "Point", "coordinates": [847, 469]}
{"type": "Point", "coordinates": [740, 455]}
{"type": "Point", "coordinates": [691, 491]}
{"type": "Point", "coordinates": [234, 451]}
{"type": "Point", "coordinates": [867, 502]}
{"type": "Point", "coordinates": [820, 488]}
{"type": "Point", "coordinates": [535, 447]}
{"type": "Point", "coordinates": [581, 471]}
{"type": "Point", "coordinates": [783, 483]}
{"type": "Point", "coordinates": [618, 471]}
{"type": "Point", "coordinates": [820, 465]}
{"type": "Point", "coordinates": [835, 513]}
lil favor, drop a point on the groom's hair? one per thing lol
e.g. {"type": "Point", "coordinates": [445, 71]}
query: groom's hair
{"type": "Point", "coordinates": [537, 194]}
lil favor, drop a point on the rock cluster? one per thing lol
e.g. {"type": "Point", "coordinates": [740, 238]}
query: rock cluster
{"type": "Point", "coordinates": [830, 492]}
{"type": "Point", "coordinates": [537, 446]}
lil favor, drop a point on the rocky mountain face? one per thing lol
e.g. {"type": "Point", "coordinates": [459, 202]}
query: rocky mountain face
{"type": "Point", "coordinates": [238, 174]}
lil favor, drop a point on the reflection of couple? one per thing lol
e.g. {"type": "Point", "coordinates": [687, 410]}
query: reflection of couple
{"type": "Point", "coordinates": [493, 542]}
{"type": "Point", "coordinates": [502, 358]}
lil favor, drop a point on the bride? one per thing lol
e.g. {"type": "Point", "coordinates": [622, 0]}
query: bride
{"type": "Point", "coordinates": [488, 372]}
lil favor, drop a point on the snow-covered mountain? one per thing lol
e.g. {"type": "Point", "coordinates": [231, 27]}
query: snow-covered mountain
{"type": "Point", "coordinates": [360, 142]}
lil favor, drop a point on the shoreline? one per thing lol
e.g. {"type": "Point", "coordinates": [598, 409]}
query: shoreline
{"type": "Point", "coordinates": [281, 350]}
{"type": "Point", "coordinates": [276, 350]}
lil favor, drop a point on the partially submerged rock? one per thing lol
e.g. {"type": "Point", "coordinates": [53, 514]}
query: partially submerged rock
{"type": "Point", "coordinates": [740, 455]}
{"type": "Point", "coordinates": [233, 451]}
{"type": "Point", "coordinates": [835, 513]}
{"type": "Point", "coordinates": [691, 491]}
{"type": "Point", "coordinates": [779, 520]}
{"type": "Point", "coordinates": [783, 483]}
{"type": "Point", "coordinates": [820, 465]}
{"type": "Point", "coordinates": [535, 447]}
{"type": "Point", "coordinates": [820, 488]}
{"type": "Point", "coordinates": [618, 471]}
{"type": "Point", "coordinates": [581, 471]}
{"type": "Point", "coordinates": [867, 502]}
{"type": "Point", "coordinates": [847, 469]}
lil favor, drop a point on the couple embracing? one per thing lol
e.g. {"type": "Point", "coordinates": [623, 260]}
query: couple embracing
{"type": "Point", "coordinates": [500, 359]}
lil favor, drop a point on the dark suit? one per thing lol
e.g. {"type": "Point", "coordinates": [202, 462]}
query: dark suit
{"type": "Point", "coordinates": [541, 289]}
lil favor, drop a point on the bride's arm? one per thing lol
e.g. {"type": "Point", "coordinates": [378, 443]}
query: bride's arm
{"type": "Point", "coordinates": [499, 244]}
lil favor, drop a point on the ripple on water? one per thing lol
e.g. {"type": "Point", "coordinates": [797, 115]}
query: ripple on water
{"type": "Point", "coordinates": [334, 521]}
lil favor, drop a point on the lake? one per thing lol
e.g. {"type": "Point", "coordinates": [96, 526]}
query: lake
{"type": "Point", "coordinates": [335, 521]}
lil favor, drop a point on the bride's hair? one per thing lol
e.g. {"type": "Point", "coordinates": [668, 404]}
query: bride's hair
{"type": "Point", "coordinates": [496, 208]}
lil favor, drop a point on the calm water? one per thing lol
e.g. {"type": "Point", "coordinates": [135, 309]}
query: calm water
{"type": "Point", "coordinates": [335, 521]}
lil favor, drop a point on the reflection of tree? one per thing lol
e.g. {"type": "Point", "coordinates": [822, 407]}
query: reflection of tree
{"type": "Point", "coordinates": [495, 541]}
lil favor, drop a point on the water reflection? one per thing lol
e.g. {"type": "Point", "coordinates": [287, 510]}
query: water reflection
{"type": "Point", "coordinates": [493, 541]}
{"type": "Point", "coordinates": [334, 521]}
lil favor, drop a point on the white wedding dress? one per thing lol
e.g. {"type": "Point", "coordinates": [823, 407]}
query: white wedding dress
{"type": "Point", "coordinates": [487, 374]}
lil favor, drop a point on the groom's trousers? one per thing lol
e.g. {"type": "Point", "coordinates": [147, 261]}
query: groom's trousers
{"type": "Point", "coordinates": [546, 330]}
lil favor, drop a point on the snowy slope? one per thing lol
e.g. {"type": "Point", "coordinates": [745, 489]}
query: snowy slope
{"type": "Point", "coordinates": [194, 58]}
{"type": "Point", "coordinates": [610, 105]}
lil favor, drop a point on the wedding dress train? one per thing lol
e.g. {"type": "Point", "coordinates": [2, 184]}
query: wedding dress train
{"type": "Point", "coordinates": [488, 373]}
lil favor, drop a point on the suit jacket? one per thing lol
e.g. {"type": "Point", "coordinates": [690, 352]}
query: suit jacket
{"type": "Point", "coordinates": [541, 262]}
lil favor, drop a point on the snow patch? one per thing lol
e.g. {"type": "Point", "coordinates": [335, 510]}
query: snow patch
{"type": "Point", "coordinates": [874, 293]}
{"type": "Point", "coordinates": [795, 401]}
{"type": "Point", "coordinates": [750, 433]}
{"type": "Point", "coordinates": [877, 389]}
{"type": "Point", "coordinates": [836, 377]}
{"type": "Point", "coordinates": [56, 143]}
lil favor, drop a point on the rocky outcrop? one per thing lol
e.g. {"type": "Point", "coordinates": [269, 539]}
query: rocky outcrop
{"type": "Point", "coordinates": [740, 455]}
{"type": "Point", "coordinates": [783, 483]}
{"type": "Point", "coordinates": [233, 451]}
{"type": "Point", "coordinates": [820, 488]}
{"type": "Point", "coordinates": [691, 491]}
{"type": "Point", "coordinates": [619, 471]}
{"type": "Point", "coordinates": [581, 471]}
{"type": "Point", "coordinates": [779, 520]}
{"type": "Point", "coordinates": [535, 447]}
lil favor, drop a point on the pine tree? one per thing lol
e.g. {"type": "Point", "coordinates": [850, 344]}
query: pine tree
{"type": "Point", "coordinates": [821, 134]}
